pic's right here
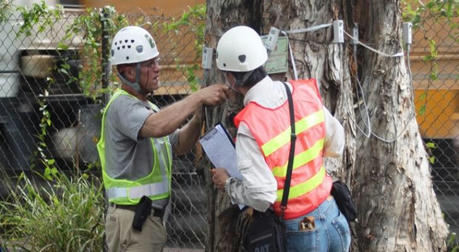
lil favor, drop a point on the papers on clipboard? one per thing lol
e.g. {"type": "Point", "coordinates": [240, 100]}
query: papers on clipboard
{"type": "Point", "coordinates": [219, 147]}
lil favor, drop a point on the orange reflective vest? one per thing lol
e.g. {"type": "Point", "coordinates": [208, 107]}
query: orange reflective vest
{"type": "Point", "coordinates": [310, 184]}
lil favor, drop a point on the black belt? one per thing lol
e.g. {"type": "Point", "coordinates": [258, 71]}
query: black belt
{"type": "Point", "coordinates": [155, 211]}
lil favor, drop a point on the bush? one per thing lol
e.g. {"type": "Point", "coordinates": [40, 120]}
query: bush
{"type": "Point", "coordinates": [63, 215]}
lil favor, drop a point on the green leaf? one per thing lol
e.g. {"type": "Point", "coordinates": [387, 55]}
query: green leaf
{"type": "Point", "coordinates": [433, 76]}
{"type": "Point", "coordinates": [422, 96]}
{"type": "Point", "coordinates": [431, 145]}
{"type": "Point", "coordinates": [422, 109]}
{"type": "Point", "coordinates": [47, 174]}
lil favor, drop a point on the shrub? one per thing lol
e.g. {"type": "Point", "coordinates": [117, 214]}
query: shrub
{"type": "Point", "coordinates": [63, 215]}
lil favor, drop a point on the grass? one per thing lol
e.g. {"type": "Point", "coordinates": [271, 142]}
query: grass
{"type": "Point", "coordinates": [452, 243]}
{"type": "Point", "coordinates": [65, 214]}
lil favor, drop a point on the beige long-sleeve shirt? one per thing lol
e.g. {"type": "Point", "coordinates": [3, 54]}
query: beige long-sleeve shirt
{"type": "Point", "coordinates": [258, 186]}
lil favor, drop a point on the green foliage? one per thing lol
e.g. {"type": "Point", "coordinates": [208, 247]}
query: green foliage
{"type": "Point", "coordinates": [434, 11]}
{"type": "Point", "coordinates": [5, 10]}
{"type": "Point", "coordinates": [194, 20]}
{"type": "Point", "coordinates": [418, 12]}
{"type": "Point", "coordinates": [452, 243]}
{"type": "Point", "coordinates": [91, 26]}
{"type": "Point", "coordinates": [40, 16]}
{"type": "Point", "coordinates": [430, 146]}
{"type": "Point", "coordinates": [50, 169]}
{"type": "Point", "coordinates": [63, 215]}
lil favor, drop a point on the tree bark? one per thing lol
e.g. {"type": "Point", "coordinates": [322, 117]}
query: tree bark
{"type": "Point", "coordinates": [388, 171]}
{"type": "Point", "coordinates": [399, 209]}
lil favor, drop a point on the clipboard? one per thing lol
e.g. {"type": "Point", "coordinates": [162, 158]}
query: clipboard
{"type": "Point", "coordinates": [222, 128]}
{"type": "Point", "coordinates": [219, 148]}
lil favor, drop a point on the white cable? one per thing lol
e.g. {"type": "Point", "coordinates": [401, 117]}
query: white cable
{"type": "Point", "coordinates": [400, 54]}
{"type": "Point", "coordinates": [295, 73]}
{"type": "Point", "coordinates": [360, 89]}
{"type": "Point", "coordinates": [368, 121]}
{"type": "Point", "coordinates": [406, 125]}
{"type": "Point", "coordinates": [413, 115]}
{"type": "Point", "coordinates": [309, 29]}
{"type": "Point", "coordinates": [370, 131]}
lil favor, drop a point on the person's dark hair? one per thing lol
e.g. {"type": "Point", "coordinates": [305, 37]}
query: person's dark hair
{"type": "Point", "coordinates": [254, 77]}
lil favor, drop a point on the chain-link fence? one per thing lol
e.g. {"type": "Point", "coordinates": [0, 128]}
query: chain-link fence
{"type": "Point", "coordinates": [50, 101]}
{"type": "Point", "coordinates": [435, 71]}
{"type": "Point", "coordinates": [50, 106]}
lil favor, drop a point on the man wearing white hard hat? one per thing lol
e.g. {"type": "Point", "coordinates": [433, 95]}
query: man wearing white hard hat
{"type": "Point", "coordinates": [263, 145]}
{"type": "Point", "coordinates": [138, 140]}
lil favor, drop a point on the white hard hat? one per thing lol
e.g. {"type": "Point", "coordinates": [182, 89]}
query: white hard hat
{"type": "Point", "coordinates": [132, 44]}
{"type": "Point", "coordinates": [240, 49]}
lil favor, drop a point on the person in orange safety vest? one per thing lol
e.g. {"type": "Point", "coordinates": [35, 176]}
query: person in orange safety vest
{"type": "Point", "coordinates": [263, 145]}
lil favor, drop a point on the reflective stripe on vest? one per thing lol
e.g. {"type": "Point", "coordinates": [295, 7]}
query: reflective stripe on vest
{"type": "Point", "coordinates": [137, 191]}
{"type": "Point", "coordinates": [126, 192]}
{"type": "Point", "coordinates": [310, 184]}
{"type": "Point", "coordinates": [305, 187]}
{"type": "Point", "coordinates": [284, 137]}
{"type": "Point", "coordinates": [300, 159]}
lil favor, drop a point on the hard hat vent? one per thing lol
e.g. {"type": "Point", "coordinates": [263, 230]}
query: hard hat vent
{"type": "Point", "coordinates": [132, 44]}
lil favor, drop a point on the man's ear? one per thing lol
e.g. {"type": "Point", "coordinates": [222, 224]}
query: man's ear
{"type": "Point", "coordinates": [127, 72]}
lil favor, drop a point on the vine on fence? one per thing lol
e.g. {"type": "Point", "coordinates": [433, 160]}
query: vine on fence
{"type": "Point", "coordinates": [49, 163]}
{"type": "Point", "coordinates": [419, 14]}
{"type": "Point", "coordinates": [40, 18]}
{"type": "Point", "coordinates": [194, 19]}
{"type": "Point", "coordinates": [89, 25]}
{"type": "Point", "coordinates": [5, 9]}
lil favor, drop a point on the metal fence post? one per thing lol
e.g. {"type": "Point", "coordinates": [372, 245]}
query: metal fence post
{"type": "Point", "coordinates": [105, 51]}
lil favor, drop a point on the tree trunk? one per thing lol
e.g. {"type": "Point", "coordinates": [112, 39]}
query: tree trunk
{"type": "Point", "coordinates": [388, 171]}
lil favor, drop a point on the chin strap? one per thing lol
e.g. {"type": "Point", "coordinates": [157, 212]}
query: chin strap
{"type": "Point", "coordinates": [135, 85]}
{"type": "Point", "coordinates": [244, 78]}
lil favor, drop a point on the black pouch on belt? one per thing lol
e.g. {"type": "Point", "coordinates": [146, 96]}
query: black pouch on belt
{"type": "Point", "coordinates": [343, 199]}
{"type": "Point", "coordinates": [142, 211]}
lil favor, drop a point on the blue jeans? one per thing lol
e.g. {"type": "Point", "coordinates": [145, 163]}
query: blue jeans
{"type": "Point", "coordinates": [331, 231]}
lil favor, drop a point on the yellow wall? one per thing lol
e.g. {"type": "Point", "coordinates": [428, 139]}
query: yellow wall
{"type": "Point", "coordinates": [439, 119]}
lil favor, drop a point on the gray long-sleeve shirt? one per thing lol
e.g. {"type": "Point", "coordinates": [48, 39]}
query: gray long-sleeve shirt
{"type": "Point", "coordinates": [258, 186]}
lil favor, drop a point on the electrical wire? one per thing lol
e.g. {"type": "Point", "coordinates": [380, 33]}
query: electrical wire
{"type": "Point", "coordinates": [364, 113]}
{"type": "Point", "coordinates": [412, 115]}
{"type": "Point", "coordinates": [295, 73]}
{"type": "Point", "coordinates": [303, 30]}
{"type": "Point", "coordinates": [400, 54]}
{"type": "Point", "coordinates": [309, 29]}
{"type": "Point", "coordinates": [366, 110]}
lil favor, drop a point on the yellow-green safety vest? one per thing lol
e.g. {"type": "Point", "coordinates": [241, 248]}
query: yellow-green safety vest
{"type": "Point", "coordinates": [156, 185]}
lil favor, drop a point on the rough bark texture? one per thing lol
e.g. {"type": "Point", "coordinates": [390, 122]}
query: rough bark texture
{"type": "Point", "coordinates": [390, 180]}
{"type": "Point", "coordinates": [399, 209]}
